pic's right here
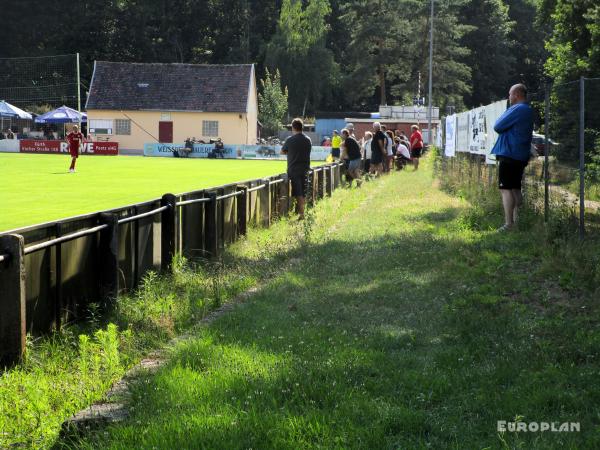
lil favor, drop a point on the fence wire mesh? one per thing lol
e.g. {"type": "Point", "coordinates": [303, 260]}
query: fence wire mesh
{"type": "Point", "coordinates": [38, 85]}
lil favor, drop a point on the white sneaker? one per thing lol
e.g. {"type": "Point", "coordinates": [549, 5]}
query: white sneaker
{"type": "Point", "coordinates": [72, 170]}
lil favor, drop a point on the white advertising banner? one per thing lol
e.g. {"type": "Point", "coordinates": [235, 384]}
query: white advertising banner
{"type": "Point", "coordinates": [477, 131]}
{"type": "Point", "coordinates": [492, 113]}
{"type": "Point", "coordinates": [450, 148]}
{"type": "Point", "coordinates": [462, 132]}
{"type": "Point", "coordinates": [9, 146]}
{"type": "Point", "coordinates": [229, 151]}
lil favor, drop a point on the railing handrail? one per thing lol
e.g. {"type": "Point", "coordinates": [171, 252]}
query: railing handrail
{"type": "Point", "coordinates": [280, 180]}
{"type": "Point", "coordinates": [65, 238]}
{"type": "Point", "coordinates": [142, 215]}
{"type": "Point", "coordinates": [256, 188]}
{"type": "Point", "coordinates": [233, 194]}
{"type": "Point", "coordinates": [191, 202]}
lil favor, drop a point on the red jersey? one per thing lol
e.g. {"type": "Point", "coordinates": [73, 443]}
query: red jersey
{"type": "Point", "coordinates": [416, 140]}
{"type": "Point", "coordinates": [74, 140]}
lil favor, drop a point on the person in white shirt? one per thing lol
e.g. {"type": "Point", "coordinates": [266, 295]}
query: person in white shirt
{"type": "Point", "coordinates": [402, 153]}
{"type": "Point", "coordinates": [366, 149]}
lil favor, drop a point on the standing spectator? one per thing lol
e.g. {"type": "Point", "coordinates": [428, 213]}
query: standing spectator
{"type": "Point", "coordinates": [390, 150]}
{"type": "Point", "coordinates": [378, 151]}
{"type": "Point", "coordinates": [352, 151]}
{"type": "Point", "coordinates": [10, 134]}
{"type": "Point", "coordinates": [366, 149]}
{"type": "Point", "coordinates": [74, 140]}
{"type": "Point", "coordinates": [297, 148]}
{"type": "Point", "coordinates": [512, 149]}
{"type": "Point", "coordinates": [416, 145]}
{"type": "Point", "coordinates": [336, 142]}
{"type": "Point", "coordinates": [326, 142]}
{"type": "Point", "coordinates": [350, 128]}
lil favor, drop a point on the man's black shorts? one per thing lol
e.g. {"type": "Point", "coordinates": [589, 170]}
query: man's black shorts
{"type": "Point", "coordinates": [335, 152]}
{"type": "Point", "coordinates": [510, 173]}
{"type": "Point", "coordinates": [299, 184]}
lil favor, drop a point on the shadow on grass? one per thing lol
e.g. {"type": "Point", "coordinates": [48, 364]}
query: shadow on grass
{"type": "Point", "coordinates": [404, 342]}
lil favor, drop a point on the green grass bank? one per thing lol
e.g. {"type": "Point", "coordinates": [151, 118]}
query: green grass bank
{"type": "Point", "coordinates": [393, 317]}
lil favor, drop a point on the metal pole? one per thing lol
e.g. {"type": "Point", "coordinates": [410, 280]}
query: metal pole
{"type": "Point", "coordinates": [429, 139]}
{"type": "Point", "coordinates": [79, 92]}
{"type": "Point", "coordinates": [581, 157]}
{"type": "Point", "coordinates": [546, 151]}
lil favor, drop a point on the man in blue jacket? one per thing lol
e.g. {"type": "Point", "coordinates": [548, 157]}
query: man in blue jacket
{"type": "Point", "coordinates": [512, 150]}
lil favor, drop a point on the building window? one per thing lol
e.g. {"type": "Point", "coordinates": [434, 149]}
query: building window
{"type": "Point", "coordinates": [123, 126]}
{"type": "Point", "coordinates": [210, 128]}
{"type": "Point", "coordinates": [165, 117]}
{"type": "Point", "coordinates": [101, 126]}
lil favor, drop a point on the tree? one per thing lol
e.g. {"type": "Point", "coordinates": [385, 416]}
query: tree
{"type": "Point", "coordinates": [378, 41]}
{"type": "Point", "coordinates": [298, 50]}
{"type": "Point", "coordinates": [528, 36]}
{"type": "Point", "coordinates": [272, 103]}
{"type": "Point", "coordinates": [489, 41]}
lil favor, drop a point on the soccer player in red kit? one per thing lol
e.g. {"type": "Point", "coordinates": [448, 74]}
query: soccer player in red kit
{"type": "Point", "coordinates": [74, 139]}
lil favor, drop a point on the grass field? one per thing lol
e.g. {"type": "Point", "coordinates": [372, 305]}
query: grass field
{"type": "Point", "coordinates": [39, 188]}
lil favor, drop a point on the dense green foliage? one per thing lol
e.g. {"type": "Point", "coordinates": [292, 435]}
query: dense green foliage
{"type": "Point", "coordinates": [332, 54]}
{"type": "Point", "coordinates": [272, 102]}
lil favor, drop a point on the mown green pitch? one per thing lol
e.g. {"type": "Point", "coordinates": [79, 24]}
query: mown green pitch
{"type": "Point", "coordinates": [39, 188]}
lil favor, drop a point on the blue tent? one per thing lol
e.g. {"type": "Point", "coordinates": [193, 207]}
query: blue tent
{"type": "Point", "coordinates": [8, 110]}
{"type": "Point", "coordinates": [64, 114]}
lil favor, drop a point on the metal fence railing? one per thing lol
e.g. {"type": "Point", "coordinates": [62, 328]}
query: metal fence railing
{"type": "Point", "coordinates": [49, 273]}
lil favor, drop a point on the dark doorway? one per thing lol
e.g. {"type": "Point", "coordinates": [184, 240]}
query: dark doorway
{"type": "Point", "coordinates": [165, 132]}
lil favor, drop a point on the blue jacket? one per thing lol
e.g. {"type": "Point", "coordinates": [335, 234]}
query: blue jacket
{"type": "Point", "coordinates": [515, 130]}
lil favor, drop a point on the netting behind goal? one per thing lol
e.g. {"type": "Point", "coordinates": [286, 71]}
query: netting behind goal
{"type": "Point", "coordinates": [41, 83]}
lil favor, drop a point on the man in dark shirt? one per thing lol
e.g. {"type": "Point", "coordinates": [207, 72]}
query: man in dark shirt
{"type": "Point", "coordinates": [378, 150]}
{"type": "Point", "coordinates": [297, 148]}
{"type": "Point", "coordinates": [352, 150]}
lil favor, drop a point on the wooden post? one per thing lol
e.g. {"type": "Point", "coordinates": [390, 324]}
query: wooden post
{"type": "Point", "coordinates": [242, 210]}
{"type": "Point", "coordinates": [328, 178]}
{"type": "Point", "coordinates": [212, 226]}
{"type": "Point", "coordinates": [168, 230]}
{"type": "Point", "coordinates": [321, 184]}
{"type": "Point", "coordinates": [108, 259]}
{"type": "Point", "coordinates": [12, 300]}
{"type": "Point", "coordinates": [286, 194]}
{"type": "Point", "coordinates": [265, 203]}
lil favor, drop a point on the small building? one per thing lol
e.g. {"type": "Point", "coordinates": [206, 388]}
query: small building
{"type": "Point", "coordinates": [399, 118]}
{"type": "Point", "coordinates": [138, 103]}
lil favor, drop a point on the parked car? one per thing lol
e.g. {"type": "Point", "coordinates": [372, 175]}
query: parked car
{"type": "Point", "coordinates": [539, 144]}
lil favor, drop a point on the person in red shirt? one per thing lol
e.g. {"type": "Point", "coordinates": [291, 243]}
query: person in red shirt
{"type": "Point", "coordinates": [416, 145]}
{"type": "Point", "coordinates": [74, 140]}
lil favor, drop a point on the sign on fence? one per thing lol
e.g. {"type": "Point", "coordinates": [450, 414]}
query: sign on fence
{"type": "Point", "coordinates": [473, 131]}
{"type": "Point", "coordinates": [92, 148]}
{"type": "Point", "coordinates": [451, 135]}
{"type": "Point", "coordinates": [9, 146]}
{"type": "Point", "coordinates": [229, 151]}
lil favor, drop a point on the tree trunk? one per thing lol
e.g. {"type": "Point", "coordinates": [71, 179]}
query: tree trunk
{"type": "Point", "coordinates": [382, 84]}
{"type": "Point", "coordinates": [304, 107]}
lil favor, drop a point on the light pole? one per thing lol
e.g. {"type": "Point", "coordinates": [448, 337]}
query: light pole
{"type": "Point", "coordinates": [430, 74]}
